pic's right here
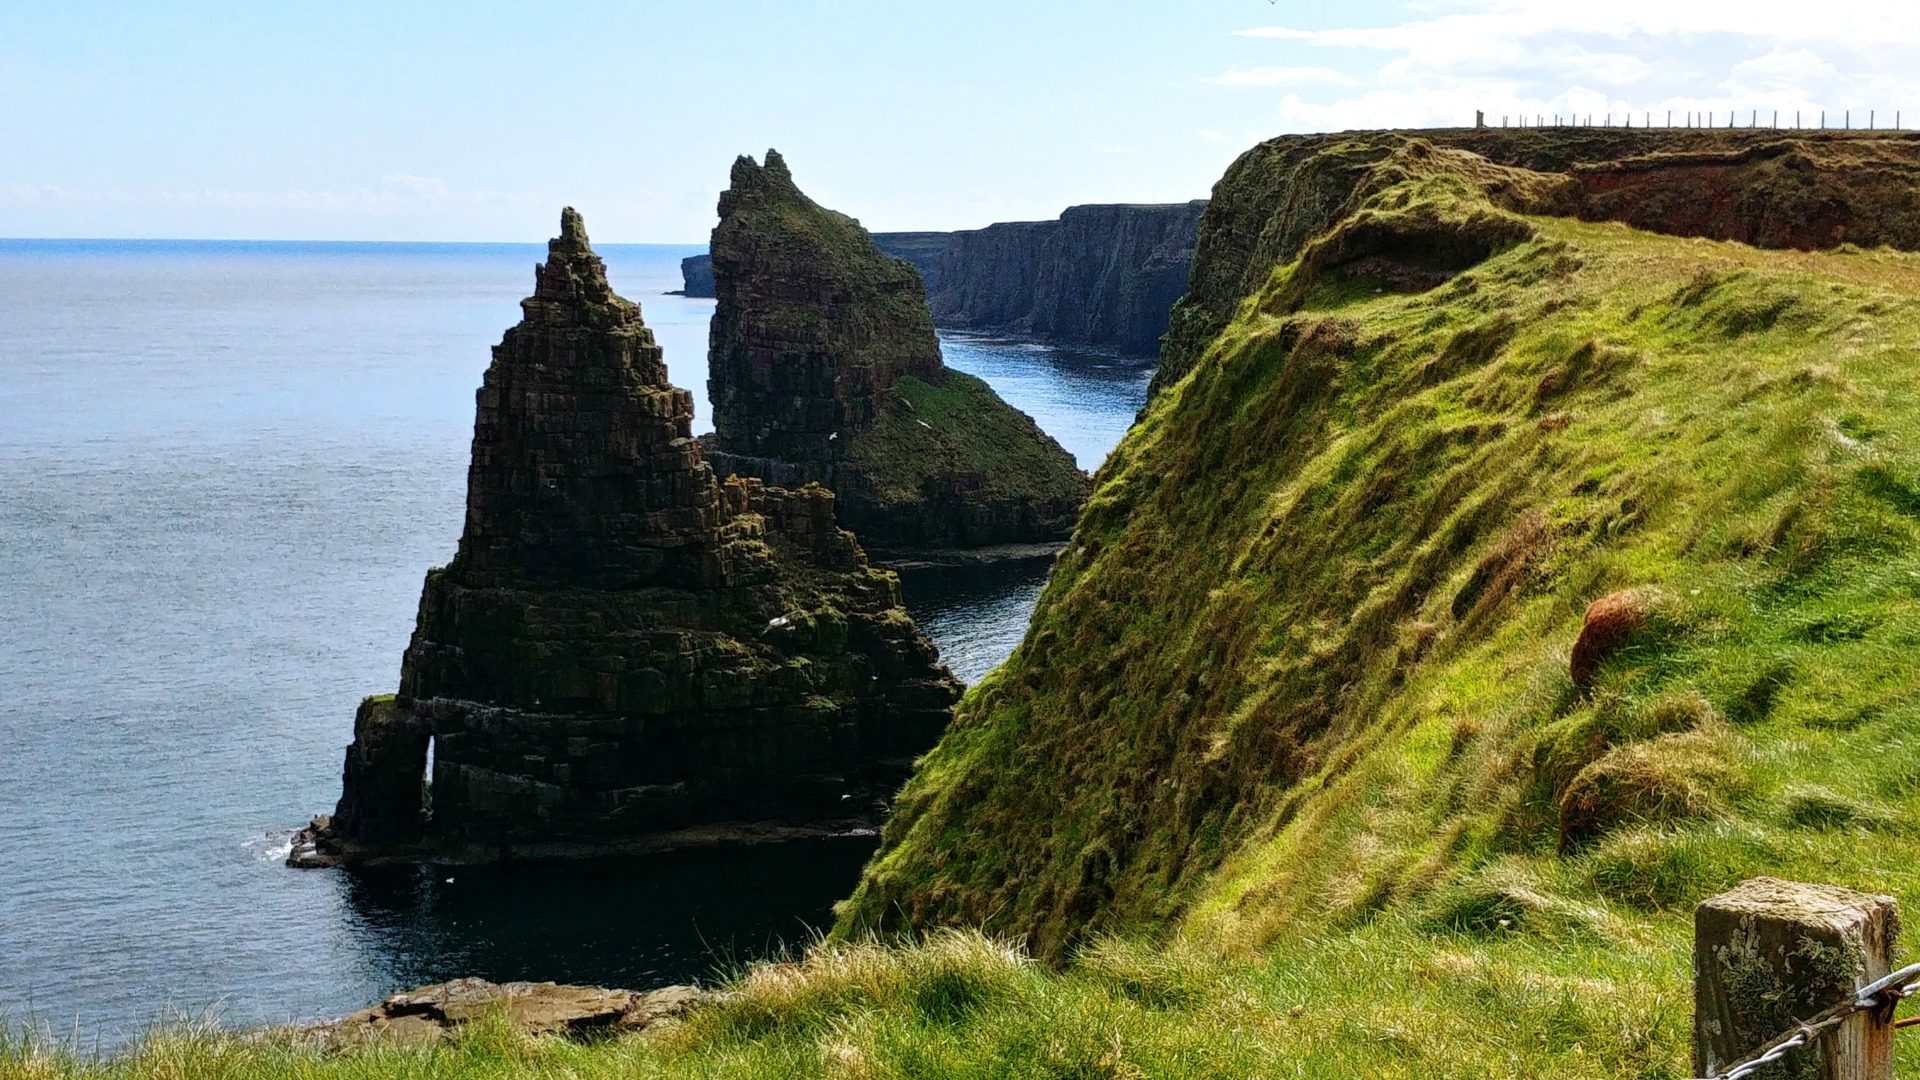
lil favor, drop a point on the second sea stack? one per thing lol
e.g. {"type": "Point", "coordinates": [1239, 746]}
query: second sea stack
{"type": "Point", "coordinates": [823, 367]}
{"type": "Point", "coordinates": [625, 652]}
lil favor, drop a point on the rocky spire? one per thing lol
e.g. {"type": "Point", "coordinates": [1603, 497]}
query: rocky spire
{"type": "Point", "coordinates": [583, 466]}
{"type": "Point", "coordinates": [813, 324]}
{"type": "Point", "coordinates": [820, 342]}
{"type": "Point", "coordinates": [624, 648]}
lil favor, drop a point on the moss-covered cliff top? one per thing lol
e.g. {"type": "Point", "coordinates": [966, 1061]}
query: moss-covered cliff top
{"type": "Point", "coordinates": [1298, 716]}
{"type": "Point", "coordinates": [1303, 673]}
{"type": "Point", "coordinates": [1799, 189]}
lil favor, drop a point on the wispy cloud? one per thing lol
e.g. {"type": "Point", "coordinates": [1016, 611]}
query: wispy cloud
{"type": "Point", "coordinates": [1531, 57]}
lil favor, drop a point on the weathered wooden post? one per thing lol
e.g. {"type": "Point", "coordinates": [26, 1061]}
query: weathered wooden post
{"type": "Point", "coordinates": [1769, 954]}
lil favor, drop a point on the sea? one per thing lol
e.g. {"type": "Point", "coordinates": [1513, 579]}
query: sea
{"type": "Point", "coordinates": [224, 469]}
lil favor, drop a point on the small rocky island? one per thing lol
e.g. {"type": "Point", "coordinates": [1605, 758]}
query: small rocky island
{"type": "Point", "coordinates": [823, 367]}
{"type": "Point", "coordinates": [627, 653]}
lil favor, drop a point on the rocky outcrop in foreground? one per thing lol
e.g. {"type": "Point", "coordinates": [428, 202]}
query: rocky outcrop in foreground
{"type": "Point", "coordinates": [1097, 276]}
{"type": "Point", "coordinates": [626, 653]}
{"type": "Point", "coordinates": [823, 367]}
{"type": "Point", "coordinates": [431, 1013]}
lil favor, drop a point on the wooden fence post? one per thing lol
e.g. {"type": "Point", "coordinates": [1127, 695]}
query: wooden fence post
{"type": "Point", "coordinates": [1768, 954]}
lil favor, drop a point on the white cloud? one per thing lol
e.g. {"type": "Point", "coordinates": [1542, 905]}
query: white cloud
{"type": "Point", "coordinates": [1529, 57]}
{"type": "Point", "coordinates": [1280, 76]}
{"type": "Point", "coordinates": [1846, 21]}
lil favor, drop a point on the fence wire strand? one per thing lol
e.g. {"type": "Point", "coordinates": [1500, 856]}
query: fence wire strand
{"type": "Point", "coordinates": [1882, 991]}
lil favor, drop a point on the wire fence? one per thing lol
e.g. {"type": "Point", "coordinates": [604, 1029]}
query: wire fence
{"type": "Point", "coordinates": [1880, 993]}
{"type": "Point", "coordinates": [1779, 119]}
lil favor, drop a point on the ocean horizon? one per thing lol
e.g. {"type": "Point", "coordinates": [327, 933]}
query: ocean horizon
{"type": "Point", "coordinates": [226, 468]}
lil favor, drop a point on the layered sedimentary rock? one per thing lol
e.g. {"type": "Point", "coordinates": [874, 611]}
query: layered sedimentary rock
{"type": "Point", "coordinates": [696, 275]}
{"type": "Point", "coordinates": [823, 367]}
{"type": "Point", "coordinates": [1098, 276]}
{"type": "Point", "coordinates": [624, 648]}
{"type": "Point", "coordinates": [924, 250]}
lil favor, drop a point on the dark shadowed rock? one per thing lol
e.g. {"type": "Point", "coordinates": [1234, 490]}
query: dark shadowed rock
{"type": "Point", "coordinates": [696, 275]}
{"type": "Point", "coordinates": [925, 250]}
{"type": "Point", "coordinates": [626, 653]}
{"type": "Point", "coordinates": [823, 366]}
{"type": "Point", "coordinates": [1102, 276]}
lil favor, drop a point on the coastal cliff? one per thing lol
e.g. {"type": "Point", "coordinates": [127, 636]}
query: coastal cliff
{"type": "Point", "coordinates": [1491, 587]}
{"type": "Point", "coordinates": [1481, 572]}
{"type": "Point", "coordinates": [1102, 276]}
{"type": "Point", "coordinates": [625, 652]}
{"type": "Point", "coordinates": [1772, 189]}
{"type": "Point", "coordinates": [823, 367]}
{"type": "Point", "coordinates": [922, 249]}
{"type": "Point", "coordinates": [1097, 276]}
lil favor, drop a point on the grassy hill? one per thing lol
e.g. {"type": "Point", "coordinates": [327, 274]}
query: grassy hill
{"type": "Point", "coordinates": [1292, 774]}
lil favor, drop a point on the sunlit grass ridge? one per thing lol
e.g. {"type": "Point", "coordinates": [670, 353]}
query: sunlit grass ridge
{"type": "Point", "coordinates": [1289, 776]}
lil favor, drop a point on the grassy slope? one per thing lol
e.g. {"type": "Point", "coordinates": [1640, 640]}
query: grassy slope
{"type": "Point", "coordinates": [1294, 714]}
{"type": "Point", "coordinates": [961, 433]}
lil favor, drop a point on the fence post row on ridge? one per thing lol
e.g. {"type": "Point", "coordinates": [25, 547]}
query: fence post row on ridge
{"type": "Point", "coordinates": [1692, 119]}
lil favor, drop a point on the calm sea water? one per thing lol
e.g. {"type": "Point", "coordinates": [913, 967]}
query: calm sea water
{"type": "Point", "coordinates": [224, 469]}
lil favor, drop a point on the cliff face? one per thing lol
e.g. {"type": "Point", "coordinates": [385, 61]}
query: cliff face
{"type": "Point", "coordinates": [1487, 574]}
{"type": "Point", "coordinates": [1098, 276]}
{"type": "Point", "coordinates": [922, 249]}
{"type": "Point", "coordinates": [823, 366]}
{"type": "Point", "coordinates": [696, 275]}
{"type": "Point", "coordinates": [1101, 276]}
{"type": "Point", "coordinates": [1775, 189]}
{"type": "Point", "coordinates": [622, 646]}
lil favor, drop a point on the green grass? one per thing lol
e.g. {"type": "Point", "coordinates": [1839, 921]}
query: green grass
{"type": "Point", "coordinates": [960, 435]}
{"type": "Point", "coordinates": [1289, 775]}
{"type": "Point", "coordinates": [1385, 1002]}
{"type": "Point", "coordinates": [1303, 670]}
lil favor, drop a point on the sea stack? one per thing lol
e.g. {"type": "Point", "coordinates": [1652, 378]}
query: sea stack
{"type": "Point", "coordinates": [626, 653]}
{"type": "Point", "coordinates": [823, 367]}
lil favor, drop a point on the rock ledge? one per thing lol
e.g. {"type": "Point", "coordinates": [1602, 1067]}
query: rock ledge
{"type": "Point", "coordinates": [430, 1013]}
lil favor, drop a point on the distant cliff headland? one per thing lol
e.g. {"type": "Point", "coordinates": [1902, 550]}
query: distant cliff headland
{"type": "Point", "coordinates": [1100, 276]}
{"type": "Point", "coordinates": [925, 250]}
{"type": "Point", "coordinates": [1519, 548]}
{"type": "Point", "coordinates": [823, 367]}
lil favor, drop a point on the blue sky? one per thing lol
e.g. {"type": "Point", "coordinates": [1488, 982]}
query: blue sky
{"type": "Point", "coordinates": [475, 121]}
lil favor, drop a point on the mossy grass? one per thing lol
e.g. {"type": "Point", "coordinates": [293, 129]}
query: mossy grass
{"type": "Point", "coordinates": [1304, 668]}
{"type": "Point", "coordinates": [930, 432]}
{"type": "Point", "coordinates": [1278, 781]}
{"type": "Point", "coordinates": [1387, 1000]}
